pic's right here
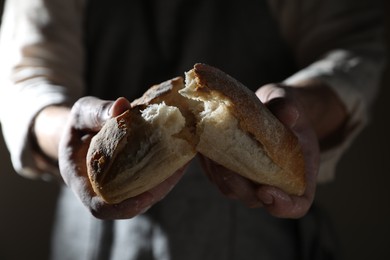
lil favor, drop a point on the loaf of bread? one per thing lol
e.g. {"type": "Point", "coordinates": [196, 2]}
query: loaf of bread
{"type": "Point", "coordinates": [209, 113]}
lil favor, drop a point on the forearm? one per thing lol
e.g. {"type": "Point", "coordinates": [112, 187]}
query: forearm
{"type": "Point", "coordinates": [48, 128]}
{"type": "Point", "coordinates": [343, 48]}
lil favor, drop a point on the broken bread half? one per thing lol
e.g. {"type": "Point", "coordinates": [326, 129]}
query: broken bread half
{"type": "Point", "coordinates": [139, 149]}
{"type": "Point", "coordinates": [210, 113]}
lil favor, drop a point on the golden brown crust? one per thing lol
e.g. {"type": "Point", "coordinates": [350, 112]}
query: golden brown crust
{"type": "Point", "coordinates": [167, 91]}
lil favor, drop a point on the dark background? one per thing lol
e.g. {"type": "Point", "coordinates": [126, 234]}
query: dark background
{"type": "Point", "coordinates": [358, 201]}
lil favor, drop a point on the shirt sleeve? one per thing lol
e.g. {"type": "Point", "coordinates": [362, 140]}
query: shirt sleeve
{"type": "Point", "coordinates": [41, 64]}
{"type": "Point", "coordinates": [341, 43]}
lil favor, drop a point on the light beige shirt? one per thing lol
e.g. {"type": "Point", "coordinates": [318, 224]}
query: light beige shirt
{"type": "Point", "coordinates": [339, 42]}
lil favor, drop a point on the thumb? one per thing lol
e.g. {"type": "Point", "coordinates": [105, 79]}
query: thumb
{"type": "Point", "coordinates": [119, 106]}
{"type": "Point", "coordinates": [91, 113]}
{"type": "Point", "coordinates": [285, 110]}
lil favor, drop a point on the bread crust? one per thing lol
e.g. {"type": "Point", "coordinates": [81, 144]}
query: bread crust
{"type": "Point", "coordinates": [167, 91]}
{"type": "Point", "coordinates": [105, 147]}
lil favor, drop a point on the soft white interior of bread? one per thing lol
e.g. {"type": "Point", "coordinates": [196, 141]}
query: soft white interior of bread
{"type": "Point", "coordinates": [223, 141]}
{"type": "Point", "coordinates": [165, 118]}
{"type": "Point", "coordinates": [221, 138]}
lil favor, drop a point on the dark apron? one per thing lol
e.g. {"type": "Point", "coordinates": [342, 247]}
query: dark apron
{"type": "Point", "coordinates": [134, 44]}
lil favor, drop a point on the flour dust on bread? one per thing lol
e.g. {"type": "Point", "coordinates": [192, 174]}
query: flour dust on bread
{"type": "Point", "coordinates": [211, 113]}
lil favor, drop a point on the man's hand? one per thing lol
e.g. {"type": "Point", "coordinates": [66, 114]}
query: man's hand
{"type": "Point", "coordinates": [285, 104]}
{"type": "Point", "coordinates": [78, 125]}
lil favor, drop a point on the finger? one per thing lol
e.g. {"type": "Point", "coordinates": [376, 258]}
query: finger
{"type": "Point", "coordinates": [243, 189]}
{"type": "Point", "coordinates": [74, 174]}
{"type": "Point", "coordinates": [285, 110]}
{"type": "Point", "coordinates": [119, 106]}
{"type": "Point", "coordinates": [91, 113]}
{"type": "Point", "coordinates": [282, 205]}
{"type": "Point", "coordinates": [135, 205]}
{"type": "Point", "coordinates": [215, 178]}
{"type": "Point", "coordinates": [231, 184]}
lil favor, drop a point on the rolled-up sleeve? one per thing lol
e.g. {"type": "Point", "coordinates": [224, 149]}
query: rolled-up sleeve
{"type": "Point", "coordinates": [341, 43]}
{"type": "Point", "coordinates": [41, 64]}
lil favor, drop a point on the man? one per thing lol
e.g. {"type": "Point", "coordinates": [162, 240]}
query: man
{"type": "Point", "coordinates": [311, 62]}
